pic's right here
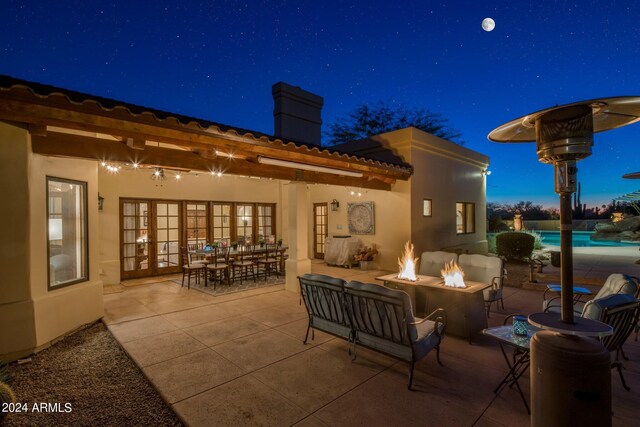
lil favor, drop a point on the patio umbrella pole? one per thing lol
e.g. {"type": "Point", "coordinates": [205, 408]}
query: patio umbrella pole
{"type": "Point", "coordinates": [566, 258]}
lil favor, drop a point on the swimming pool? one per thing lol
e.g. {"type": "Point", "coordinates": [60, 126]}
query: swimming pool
{"type": "Point", "coordinates": [580, 239]}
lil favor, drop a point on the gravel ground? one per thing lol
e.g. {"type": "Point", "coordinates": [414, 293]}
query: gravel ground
{"type": "Point", "coordinates": [90, 371]}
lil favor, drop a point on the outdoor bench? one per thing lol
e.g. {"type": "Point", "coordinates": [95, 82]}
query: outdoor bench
{"type": "Point", "coordinates": [372, 316]}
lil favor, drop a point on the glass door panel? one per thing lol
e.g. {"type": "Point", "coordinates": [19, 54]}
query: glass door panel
{"type": "Point", "coordinates": [167, 236]}
{"type": "Point", "coordinates": [320, 228]}
{"type": "Point", "coordinates": [196, 224]}
{"type": "Point", "coordinates": [135, 248]}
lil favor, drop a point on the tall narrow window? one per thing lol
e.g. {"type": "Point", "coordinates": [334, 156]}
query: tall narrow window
{"type": "Point", "coordinates": [221, 222]}
{"type": "Point", "coordinates": [196, 223]}
{"type": "Point", "coordinates": [244, 224]}
{"type": "Point", "coordinates": [465, 218]}
{"type": "Point", "coordinates": [266, 222]}
{"type": "Point", "coordinates": [67, 232]}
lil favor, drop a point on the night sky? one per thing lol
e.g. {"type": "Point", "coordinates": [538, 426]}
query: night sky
{"type": "Point", "coordinates": [217, 60]}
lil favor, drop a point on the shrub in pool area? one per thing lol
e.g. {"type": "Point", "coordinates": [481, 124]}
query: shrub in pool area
{"type": "Point", "coordinates": [515, 244]}
{"type": "Point", "coordinates": [537, 244]}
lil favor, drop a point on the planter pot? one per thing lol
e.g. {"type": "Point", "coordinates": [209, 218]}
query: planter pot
{"type": "Point", "coordinates": [366, 265]}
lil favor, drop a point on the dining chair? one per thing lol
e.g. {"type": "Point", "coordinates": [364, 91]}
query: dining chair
{"type": "Point", "coordinates": [243, 262]}
{"type": "Point", "coordinates": [195, 258]}
{"type": "Point", "coordinates": [189, 269]}
{"type": "Point", "coordinates": [219, 266]}
{"type": "Point", "coordinates": [268, 260]}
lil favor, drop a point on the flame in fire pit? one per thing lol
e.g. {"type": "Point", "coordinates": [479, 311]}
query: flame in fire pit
{"type": "Point", "coordinates": [453, 275]}
{"type": "Point", "coordinates": [407, 264]}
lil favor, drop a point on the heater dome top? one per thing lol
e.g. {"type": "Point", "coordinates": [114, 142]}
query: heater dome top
{"type": "Point", "coordinates": [608, 113]}
{"type": "Point", "coordinates": [634, 175]}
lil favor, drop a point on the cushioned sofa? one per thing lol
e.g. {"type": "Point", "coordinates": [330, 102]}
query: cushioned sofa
{"type": "Point", "coordinates": [372, 316]}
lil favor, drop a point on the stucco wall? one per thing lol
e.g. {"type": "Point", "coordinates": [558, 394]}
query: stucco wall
{"type": "Point", "coordinates": [31, 315]}
{"type": "Point", "coordinates": [203, 187]}
{"type": "Point", "coordinates": [17, 330]}
{"type": "Point", "coordinates": [392, 224]}
{"type": "Point", "coordinates": [446, 173]}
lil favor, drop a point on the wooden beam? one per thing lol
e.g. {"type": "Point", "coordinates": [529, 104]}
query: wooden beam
{"type": "Point", "coordinates": [57, 111]}
{"type": "Point", "coordinates": [136, 144]}
{"type": "Point", "coordinates": [37, 129]}
{"type": "Point", "coordinates": [76, 146]}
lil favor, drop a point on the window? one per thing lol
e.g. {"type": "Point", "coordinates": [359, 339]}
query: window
{"type": "Point", "coordinates": [196, 224]}
{"type": "Point", "coordinates": [266, 222]}
{"type": "Point", "coordinates": [244, 224]}
{"type": "Point", "coordinates": [67, 247]}
{"type": "Point", "coordinates": [221, 222]}
{"type": "Point", "coordinates": [465, 218]}
{"type": "Point", "coordinates": [426, 207]}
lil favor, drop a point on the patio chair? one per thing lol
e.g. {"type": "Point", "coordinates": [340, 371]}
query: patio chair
{"type": "Point", "coordinates": [485, 269]}
{"type": "Point", "coordinates": [621, 312]}
{"type": "Point", "coordinates": [431, 263]}
{"type": "Point", "coordinates": [268, 260]}
{"type": "Point", "coordinates": [193, 258]}
{"type": "Point", "coordinates": [244, 262]}
{"type": "Point", "coordinates": [615, 284]}
{"type": "Point", "coordinates": [219, 266]}
{"type": "Point", "coordinates": [189, 269]}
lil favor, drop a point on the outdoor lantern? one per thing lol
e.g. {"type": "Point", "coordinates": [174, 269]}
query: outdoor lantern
{"type": "Point", "coordinates": [520, 326]}
{"type": "Point", "coordinates": [100, 202]}
{"type": "Point", "coordinates": [335, 205]}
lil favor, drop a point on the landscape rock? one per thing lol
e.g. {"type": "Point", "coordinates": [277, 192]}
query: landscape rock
{"type": "Point", "coordinates": [628, 229]}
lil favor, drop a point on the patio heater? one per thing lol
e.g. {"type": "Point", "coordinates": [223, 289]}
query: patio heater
{"type": "Point", "coordinates": [570, 373]}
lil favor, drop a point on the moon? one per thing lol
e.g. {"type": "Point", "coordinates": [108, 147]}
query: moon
{"type": "Point", "coordinates": [488, 24]}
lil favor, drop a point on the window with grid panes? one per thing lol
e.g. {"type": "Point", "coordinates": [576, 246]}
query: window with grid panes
{"type": "Point", "coordinates": [266, 222]}
{"type": "Point", "coordinates": [244, 224]}
{"type": "Point", "coordinates": [196, 224]}
{"type": "Point", "coordinates": [221, 222]}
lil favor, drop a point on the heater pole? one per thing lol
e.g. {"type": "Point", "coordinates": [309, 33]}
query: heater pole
{"type": "Point", "coordinates": [566, 258]}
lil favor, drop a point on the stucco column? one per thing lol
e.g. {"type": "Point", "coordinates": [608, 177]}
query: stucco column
{"type": "Point", "coordinates": [298, 262]}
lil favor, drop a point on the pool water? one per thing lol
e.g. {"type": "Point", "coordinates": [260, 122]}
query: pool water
{"type": "Point", "coordinates": [580, 239]}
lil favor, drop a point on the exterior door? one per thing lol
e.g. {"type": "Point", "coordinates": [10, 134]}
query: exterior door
{"type": "Point", "coordinates": [149, 238]}
{"type": "Point", "coordinates": [135, 220]}
{"type": "Point", "coordinates": [167, 236]}
{"type": "Point", "coordinates": [320, 229]}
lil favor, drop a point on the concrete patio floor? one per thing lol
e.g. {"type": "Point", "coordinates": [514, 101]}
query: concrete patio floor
{"type": "Point", "coordinates": [239, 359]}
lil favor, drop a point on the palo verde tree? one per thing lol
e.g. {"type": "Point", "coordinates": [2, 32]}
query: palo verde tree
{"type": "Point", "coordinates": [368, 120]}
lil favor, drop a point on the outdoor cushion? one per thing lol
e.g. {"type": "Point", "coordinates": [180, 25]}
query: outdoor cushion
{"type": "Point", "coordinates": [615, 284]}
{"type": "Point", "coordinates": [594, 309]}
{"type": "Point", "coordinates": [431, 263]}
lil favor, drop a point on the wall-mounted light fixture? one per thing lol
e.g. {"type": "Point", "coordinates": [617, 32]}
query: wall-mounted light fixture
{"type": "Point", "coordinates": [486, 172]}
{"type": "Point", "coordinates": [100, 202]}
{"type": "Point", "coordinates": [304, 166]}
{"type": "Point", "coordinates": [335, 205]}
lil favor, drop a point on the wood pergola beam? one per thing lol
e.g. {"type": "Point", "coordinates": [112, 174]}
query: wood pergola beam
{"type": "Point", "coordinates": [76, 146]}
{"type": "Point", "coordinates": [90, 117]}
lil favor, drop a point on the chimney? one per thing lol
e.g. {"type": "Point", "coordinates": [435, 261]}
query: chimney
{"type": "Point", "coordinates": [296, 114]}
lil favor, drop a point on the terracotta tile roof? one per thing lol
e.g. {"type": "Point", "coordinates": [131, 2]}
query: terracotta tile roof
{"type": "Point", "coordinates": [107, 104]}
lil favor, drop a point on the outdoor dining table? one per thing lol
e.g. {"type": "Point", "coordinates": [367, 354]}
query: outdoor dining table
{"type": "Point", "coordinates": [464, 306]}
{"type": "Point", "coordinates": [233, 252]}
{"type": "Point", "coordinates": [519, 363]}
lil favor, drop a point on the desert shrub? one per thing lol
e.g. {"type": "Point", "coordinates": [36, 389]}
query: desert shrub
{"type": "Point", "coordinates": [537, 243]}
{"type": "Point", "coordinates": [491, 243]}
{"type": "Point", "coordinates": [515, 244]}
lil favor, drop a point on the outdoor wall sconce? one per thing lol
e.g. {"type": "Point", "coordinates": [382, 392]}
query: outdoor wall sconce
{"type": "Point", "coordinates": [486, 172]}
{"type": "Point", "coordinates": [335, 205]}
{"type": "Point", "coordinates": [100, 202]}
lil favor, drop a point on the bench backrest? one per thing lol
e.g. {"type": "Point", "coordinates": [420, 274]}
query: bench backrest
{"type": "Point", "coordinates": [431, 263]}
{"type": "Point", "coordinates": [482, 268]}
{"type": "Point", "coordinates": [380, 312]}
{"type": "Point", "coordinates": [323, 296]}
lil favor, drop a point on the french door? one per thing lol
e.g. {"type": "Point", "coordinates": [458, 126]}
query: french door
{"type": "Point", "coordinates": [320, 229]}
{"type": "Point", "coordinates": [149, 237]}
